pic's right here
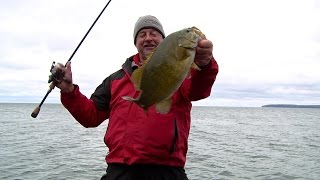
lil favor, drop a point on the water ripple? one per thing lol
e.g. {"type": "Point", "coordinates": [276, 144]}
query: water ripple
{"type": "Point", "coordinates": [224, 143]}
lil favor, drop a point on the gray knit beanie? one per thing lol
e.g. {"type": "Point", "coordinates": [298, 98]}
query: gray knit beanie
{"type": "Point", "coordinates": [147, 21]}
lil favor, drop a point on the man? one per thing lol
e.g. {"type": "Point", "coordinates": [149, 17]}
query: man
{"type": "Point", "coordinates": [142, 145]}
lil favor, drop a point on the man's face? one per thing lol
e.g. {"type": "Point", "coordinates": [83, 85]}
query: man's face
{"type": "Point", "coordinates": [146, 41]}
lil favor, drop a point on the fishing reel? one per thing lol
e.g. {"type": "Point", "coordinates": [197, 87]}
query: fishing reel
{"type": "Point", "coordinates": [57, 72]}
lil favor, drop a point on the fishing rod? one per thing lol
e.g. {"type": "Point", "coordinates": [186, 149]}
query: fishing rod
{"type": "Point", "coordinates": [57, 73]}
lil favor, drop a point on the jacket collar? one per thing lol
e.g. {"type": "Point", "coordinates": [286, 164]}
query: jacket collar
{"type": "Point", "coordinates": [131, 64]}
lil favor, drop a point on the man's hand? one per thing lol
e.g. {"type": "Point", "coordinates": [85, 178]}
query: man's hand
{"type": "Point", "coordinates": [203, 52]}
{"type": "Point", "coordinates": [66, 85]}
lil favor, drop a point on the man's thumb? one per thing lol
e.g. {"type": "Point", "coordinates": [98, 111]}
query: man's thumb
{"type": "Point", "coordinates": [68, 65]}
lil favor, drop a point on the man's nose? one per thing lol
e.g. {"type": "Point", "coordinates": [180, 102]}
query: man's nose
{"type": "Point", "coordinates": [148, 37]}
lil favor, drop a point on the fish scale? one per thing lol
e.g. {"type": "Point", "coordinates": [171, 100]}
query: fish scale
{"type": "Point", "coordinates": [165, 69]}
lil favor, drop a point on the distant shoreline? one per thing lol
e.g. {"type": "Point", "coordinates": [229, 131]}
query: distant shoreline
{"type": "Point", "coordinates": [291, 106]}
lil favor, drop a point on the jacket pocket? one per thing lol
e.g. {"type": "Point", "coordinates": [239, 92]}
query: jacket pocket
{"type": "Point", "coordinates": [174, 137]}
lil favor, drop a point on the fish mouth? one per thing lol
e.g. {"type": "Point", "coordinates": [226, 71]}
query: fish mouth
{"type": "Point", "coordinates": [188, 43]}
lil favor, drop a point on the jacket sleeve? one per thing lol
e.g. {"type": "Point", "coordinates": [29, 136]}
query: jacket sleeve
{"type": "Point", "coordinates": [198, 85]}
{"type": "Point", "coordinates": [85, 110]}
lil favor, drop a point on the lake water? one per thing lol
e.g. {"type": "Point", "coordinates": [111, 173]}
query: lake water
{"type": "Point", "coordinates": [224, 143]}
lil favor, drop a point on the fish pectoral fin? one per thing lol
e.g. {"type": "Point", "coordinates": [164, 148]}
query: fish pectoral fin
{"type": "Point", "coordinates": [164, 106]}
{"type": "Point", "coordinates": [136, 78]}
{"type": "Point", "coordinates": [195, 66]}
{"type": "Point", "coordinates": [137, 74]}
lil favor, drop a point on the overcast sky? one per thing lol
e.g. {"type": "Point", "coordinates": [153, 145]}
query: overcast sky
{"type": "Point", "coordinates": [268, 50]}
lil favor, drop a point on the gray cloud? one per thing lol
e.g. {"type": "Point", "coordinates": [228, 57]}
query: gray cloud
{"type": "Point", "coordinates": [267, 93]}
{"type": "Point", "coordinates": [264, 57]}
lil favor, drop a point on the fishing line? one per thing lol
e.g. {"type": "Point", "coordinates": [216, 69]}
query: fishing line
{"type": "Point", "coordinates": [36, 111]}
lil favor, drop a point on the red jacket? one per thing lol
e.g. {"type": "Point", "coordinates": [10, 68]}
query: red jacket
{"type": "Point", "coordinates": [132, 136]}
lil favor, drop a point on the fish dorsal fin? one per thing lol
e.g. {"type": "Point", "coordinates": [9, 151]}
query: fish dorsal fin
{"type": "Point", "coordinates": [164, 106]}
{"type": "Point", "coordinates": [149, 56]}
{"type": "Point", "coordinates": [136, 78]}
{"type": "Point", "coordinates": [137, 74]}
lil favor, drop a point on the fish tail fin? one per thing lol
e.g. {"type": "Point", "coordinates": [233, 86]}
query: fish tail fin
{"type": "Point", "coordinates": [163, 107]}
